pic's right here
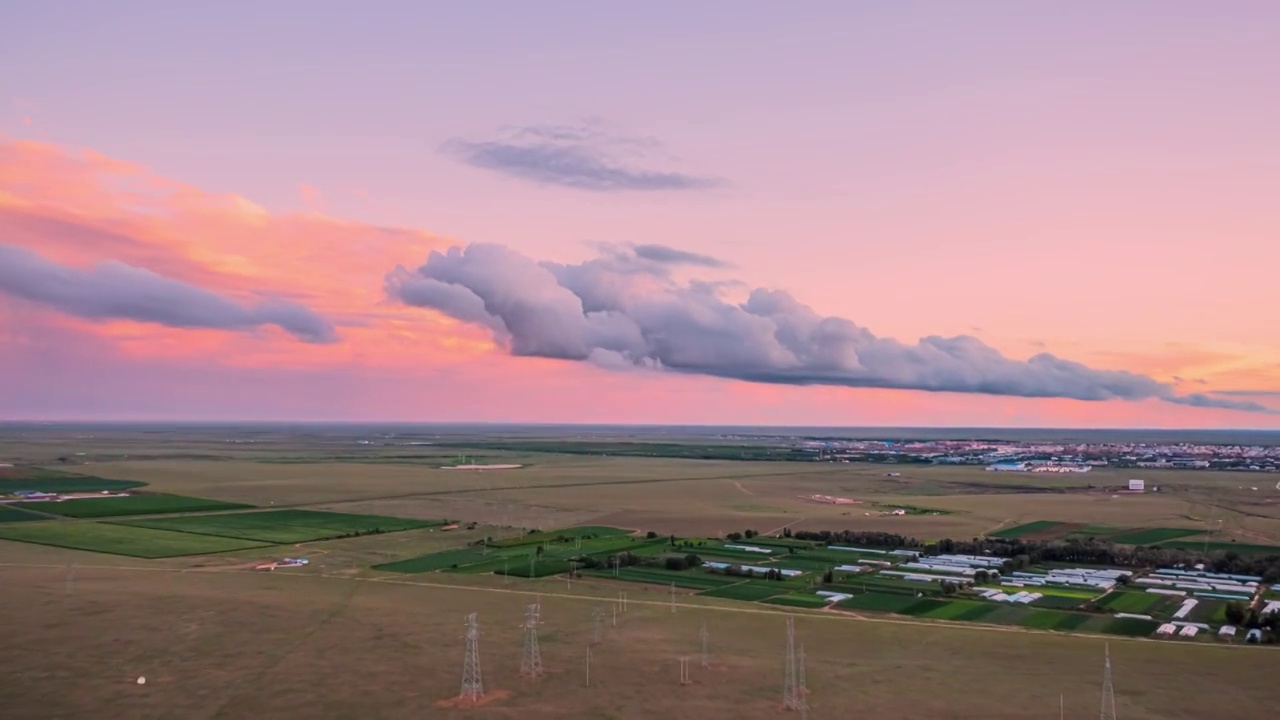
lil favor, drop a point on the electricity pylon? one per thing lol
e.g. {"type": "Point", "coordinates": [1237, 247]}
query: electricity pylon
{"type": "Point", "coordinates": [1108, 692]}
{"type": "Point", "coordinates": [472, 681]}
{"type": "Point", "coordinates": [531, 660]}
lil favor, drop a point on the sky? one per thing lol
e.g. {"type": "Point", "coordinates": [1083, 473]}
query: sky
{"type": "Point", "coordinates": [909, 213]}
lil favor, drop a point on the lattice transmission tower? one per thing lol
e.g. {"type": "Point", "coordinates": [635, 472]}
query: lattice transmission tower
{"type": "Point", "coordinates": [794, 692]}
{"type": "Point", "coordinates": [531, 660]}
{"type": "Point", "coordinates": [597, 622]}
{"type": "Point", "coordinates": [1108, 692]}
{"type": "Point", "coordinates": [472, 680]}
{"type": "Point", "coordinates": [706, 642]}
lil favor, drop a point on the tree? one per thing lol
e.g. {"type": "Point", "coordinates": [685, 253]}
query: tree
{"type": "Point", "coordinates": [538, 551]}
{"type": "Point", "coordinates": [651, 535]}
{"type": "Point", "coordinates": [1124, 580]}
{"type": "Point", "coordinates": [829, 576]}
{"type": "Point", "coordinates": [733, 536]}
{"type": "Point", "coordinates": [1234, 613]}
{"type": "Point", "coordinates": [673, 541]}
{"type": "Point", "coordinates": [948, 587]}
{"type": "Point", "coordinates": [675, 563]}
{"type": "Point", "coordinates": [751, 533]}
{"type": "Point", "coordinates": [982, 577]}
{"type": "Point", "coordinates": [786, 532]}
{"type": "Point", "coordinates": [692, 560]}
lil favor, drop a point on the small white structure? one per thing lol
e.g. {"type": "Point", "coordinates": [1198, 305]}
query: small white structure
{"type": "Point", "coordinates": [1227, 631]}
{"type": "Point", "coordinates": [1137, 485]}
{"type": "Point", "coordinates": [1166, 629]}
{"type": "Point", "coordinates": [1189, 631]}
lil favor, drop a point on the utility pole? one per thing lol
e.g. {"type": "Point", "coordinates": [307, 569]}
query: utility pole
{"type": "Point", "coordinates": [588, 666]}
{"type": "Point", "coordinates": [673, 598]}
{"type": "Point", "coordinates": [684, 671]}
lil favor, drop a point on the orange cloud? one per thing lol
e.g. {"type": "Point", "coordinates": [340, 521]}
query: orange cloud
{"type": "Point", "coordinates": [80, 207]}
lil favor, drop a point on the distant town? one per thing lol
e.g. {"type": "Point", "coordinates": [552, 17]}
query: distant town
{"type": "Point", "coordinates": [1049, 457]}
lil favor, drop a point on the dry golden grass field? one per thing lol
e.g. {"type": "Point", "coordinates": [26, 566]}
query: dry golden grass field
{"type": "Point", "coordinates": [336, 640]}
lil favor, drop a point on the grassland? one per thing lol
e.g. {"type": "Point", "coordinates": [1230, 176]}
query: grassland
{"type": "Point", "coordinates": [217, 642]}
{"type": "Point", "coordinates": [120, 539]}
{"type": "Point", "coordinates": [283, 526]}
{"type": "Point", "coordinates": [148, 504]}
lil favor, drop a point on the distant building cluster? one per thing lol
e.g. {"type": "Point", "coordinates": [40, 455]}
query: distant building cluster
{"type": "Point", "coordinates": [1001, 456]}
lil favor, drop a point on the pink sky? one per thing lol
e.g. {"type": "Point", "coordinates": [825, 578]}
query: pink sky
{"type": "Point", "coordinates": [1088, 182]}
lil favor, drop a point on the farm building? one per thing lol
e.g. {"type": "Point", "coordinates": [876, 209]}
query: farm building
{"type": "Point", "coordinates": [748, 548]}
{"type": "Point", "coordinates": [1137, 485]}
{"type": "Point", "coordinates": [1227, 631]}
{"type": "Point", "coordinates": [1166, 629]}
{"type": "Point", "coordinates": [1189, 631]}
{"type": "Point", "coordinates": [1008, 467]}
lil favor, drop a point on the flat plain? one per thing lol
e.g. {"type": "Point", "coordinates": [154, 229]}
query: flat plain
{"type": "Point", "coordinates": [338, 639]}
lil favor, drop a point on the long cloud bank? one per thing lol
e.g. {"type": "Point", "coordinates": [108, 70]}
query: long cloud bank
{"type": "Point", "coordinates": [114, 289]}
{"type": "Point", "coordinates": [624, 308]}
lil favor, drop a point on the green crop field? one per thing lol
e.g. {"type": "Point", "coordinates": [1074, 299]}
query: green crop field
{"type": "Point", "coordinates": [924, 606]}
{"type": "Point", "coordinates": [130, 505]}
{"type": "Point", "coordinates": [977, 611]}
{"type": "Point", "coordinates": [691, 579]}
{"type": "Point", "coordinates": [1060, 602]}
{"type": "Point", "coordinates": [1131, 627]}
{"type": "Point", "coordinates": [749, 591]}
{"type": "Point", "coordinates": [1031, 528]}
{"type": "Point", "coordinates": [954, 609]}
{"type": "Point", "coordinates": [1095, 531]}
{"type": "Point", "coordinates": [10, 514]}
{"type": "Point", "coordinates": [1151, 536]}
{"type": "Point", "coordinates": [1240, 548]}
{"type": "Point", "coordinates": [434, 561]}
{"type": "Point", "coordinates": [1131, 602]}
{"type": "Point", "coordinates": [283, 526]}
{"type": "Point", "coordinates": [541, 568]}
{"type": "Point", "coordinates": [120, 539]}
{"type": "Point", "coordinates": [879, 602]}
{"type": "Point", "coordinates": [1054, 620]}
